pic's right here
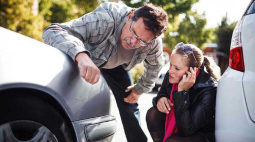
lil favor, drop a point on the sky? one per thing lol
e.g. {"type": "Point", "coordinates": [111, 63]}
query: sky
{"type": "Point", "coordinates": [216, 9]}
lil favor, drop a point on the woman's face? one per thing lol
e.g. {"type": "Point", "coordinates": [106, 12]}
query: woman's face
{"type": "Point", "coordinates": [177, 68]}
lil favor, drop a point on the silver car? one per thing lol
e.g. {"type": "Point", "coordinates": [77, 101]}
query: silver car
{"type": "Point", "coordinates": [162, 74]}
{"type": "Point", "coordinates": [235, 103]}
{"type": "Point", "coordinates": [43, 97]}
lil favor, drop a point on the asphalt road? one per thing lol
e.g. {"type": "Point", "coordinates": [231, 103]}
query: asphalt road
{"type": "Point", "coordinates": [145, 102]}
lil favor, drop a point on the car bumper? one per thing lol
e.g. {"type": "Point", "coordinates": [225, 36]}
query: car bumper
{"type": "Point", "coordinates": [100, 129]}
{"type": "Point", "coordinates": [232, 123]}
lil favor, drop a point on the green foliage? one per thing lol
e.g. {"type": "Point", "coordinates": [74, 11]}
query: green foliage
{"type": "Point", "coordinates": [86, 6]}
{"type": "Point", "coordinates": [212, 35]}
{"type": "Point", "coordinates": [31, 26]}
{"type": "Point", "coordinates": [63, 11]}
{"type": "Point", "coordinates": [172, 7]}
{"type": "Point", "coordinates": [190, 30]}
{"type": "Point", "coordinates": [137, 72]}
{"type": "Point", "coordinates": [17, 16]}
{"type": "Point", "coordinates": [224, 35]}
{"type": "Point", "coordinates": [44, 9]}
{"type": "Point", "coordinates": [12, 12]}
{"type": "Point", "coordinates": [175, 7]}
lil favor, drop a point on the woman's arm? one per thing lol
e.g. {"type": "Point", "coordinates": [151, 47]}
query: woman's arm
{"type": "Point", "coordinates": [190, 118]}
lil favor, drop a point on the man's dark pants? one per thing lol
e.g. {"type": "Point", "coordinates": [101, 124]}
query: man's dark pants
{"type": "Point", "coordinates": [118, 80]}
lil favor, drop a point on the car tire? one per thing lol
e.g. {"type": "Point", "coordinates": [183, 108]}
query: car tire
{"type": "Point", "coordinates": [26, 113]}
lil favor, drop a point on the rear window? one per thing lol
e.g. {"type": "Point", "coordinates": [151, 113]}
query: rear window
{"type": "Point", "coordinates": [251, 9]}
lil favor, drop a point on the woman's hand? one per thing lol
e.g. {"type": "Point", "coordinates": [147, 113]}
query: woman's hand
{"type": "Point", "coordinates": [188, 79]}
{"type": "Point", "coordinates": [164, 104]}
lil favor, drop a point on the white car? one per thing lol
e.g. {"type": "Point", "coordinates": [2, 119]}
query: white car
{"type": "Point", "coordinates": [235, 103]}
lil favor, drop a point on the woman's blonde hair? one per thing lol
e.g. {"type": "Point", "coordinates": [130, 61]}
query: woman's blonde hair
{"type": "Point", "coordinates": [195, 58]}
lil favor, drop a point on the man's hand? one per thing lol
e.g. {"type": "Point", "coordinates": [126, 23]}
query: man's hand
{"type": "Point", "coordinates": [133, 96]}
{"type": "Point", "coordinates": [88, 70]}
{"type": "Point", "coordinates": [164, 105]}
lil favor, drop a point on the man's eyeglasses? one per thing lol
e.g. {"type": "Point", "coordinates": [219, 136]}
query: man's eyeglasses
{"type": "Point", "coordinates": [186, 49]}
{"type": "Point", "coordinates": [142, 43]}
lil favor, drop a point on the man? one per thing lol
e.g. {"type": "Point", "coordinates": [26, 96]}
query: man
{"type": "Point", "coordinates": [112, 40]}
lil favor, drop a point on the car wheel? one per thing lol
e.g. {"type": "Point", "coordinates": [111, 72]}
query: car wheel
{"type": "Point", "coordinates": [27, 118]}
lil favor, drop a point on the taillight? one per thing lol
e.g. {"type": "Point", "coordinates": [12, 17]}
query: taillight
{"type": "Point", "coordinates": [236, 61]}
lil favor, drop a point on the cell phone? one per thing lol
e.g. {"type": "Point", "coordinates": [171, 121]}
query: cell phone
{"type": "Point", "coordinates": [182, 77]}
{"type": "Point", "coordinates": [186, 74]}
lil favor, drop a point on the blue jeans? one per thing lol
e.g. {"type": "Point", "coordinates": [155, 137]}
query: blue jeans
{"type": "Point", "coordinates": [118, 80]}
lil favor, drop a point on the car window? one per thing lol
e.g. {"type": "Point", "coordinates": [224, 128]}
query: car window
{"type": "Point", "coordinates": [251, 9]}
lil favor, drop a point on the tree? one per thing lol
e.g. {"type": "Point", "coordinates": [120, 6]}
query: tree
{"type": "Point", "coordinates": [63, 11]}
{"type": "Point", "coordinates": [57, 11]}
{"type": "Point", "coordinates": [191, 29]}
{"type": "Point", "coordinates": [224, 35]}
{"type": "Point", "coordinates": [172, 7]}
{"type": "Point", "coordinates": [18, 16]}
{"type": "Point", "coordinates": [86, 6]}
{"type": "Point", "coordinates": [212, 35]}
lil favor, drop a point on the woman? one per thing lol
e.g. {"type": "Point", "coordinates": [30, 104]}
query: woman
{"type": "Point", "coordinates": [184, 109]}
